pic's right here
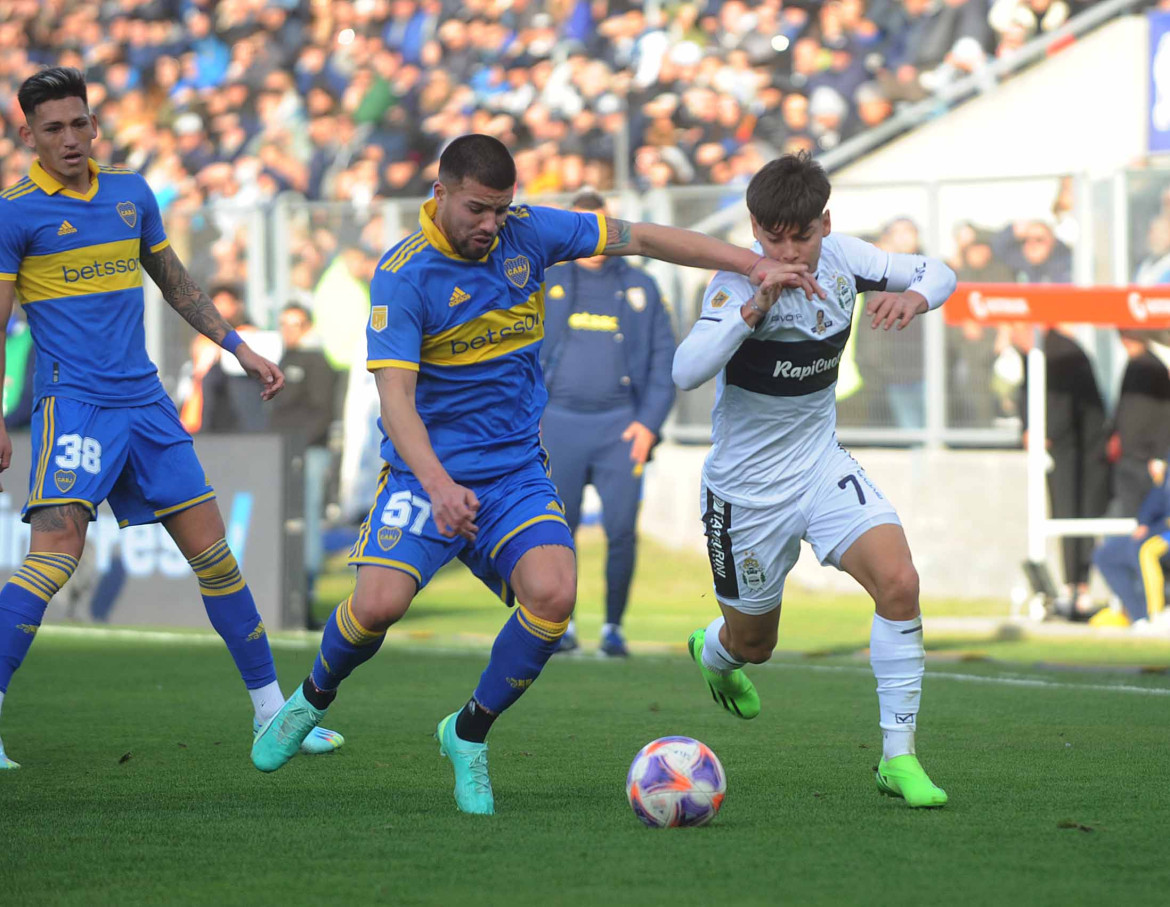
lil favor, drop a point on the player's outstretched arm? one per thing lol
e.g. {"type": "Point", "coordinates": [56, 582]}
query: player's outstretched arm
{"type": "Point", "coordinates": [698, 250]}
{"type": "Point", "coordinates": [7, 299]}
{"type": "Point", "coordinates": [453, 507]}
{"type": "Point", "coordinates": [186, 297]}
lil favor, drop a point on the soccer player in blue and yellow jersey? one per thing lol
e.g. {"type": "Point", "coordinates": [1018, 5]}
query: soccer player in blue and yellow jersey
{"type": "Point", "coordinates": [456, 323]}
{"type": "Point", "coordinates": [75, 238]}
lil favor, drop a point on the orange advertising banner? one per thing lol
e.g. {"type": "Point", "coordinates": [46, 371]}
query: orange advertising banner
{"type": "Point", "coordinates": [1034, 303]}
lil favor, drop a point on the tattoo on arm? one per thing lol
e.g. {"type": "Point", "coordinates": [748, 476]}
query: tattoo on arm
{"type": "Point", "coordinates": [183, 294]}
{"type": "Point", "coordinates": [618, 236]}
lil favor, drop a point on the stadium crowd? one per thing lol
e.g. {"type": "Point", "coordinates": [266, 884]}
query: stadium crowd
{"type": "Point", "coordinates": [350, 100]}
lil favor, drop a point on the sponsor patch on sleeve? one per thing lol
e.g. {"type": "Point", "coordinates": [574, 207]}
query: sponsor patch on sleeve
{"type": "Point", "coordinates": [719, 300]}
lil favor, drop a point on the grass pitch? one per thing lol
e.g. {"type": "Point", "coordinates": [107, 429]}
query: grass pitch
{"type": "Point", "coordinates": [137, 788]}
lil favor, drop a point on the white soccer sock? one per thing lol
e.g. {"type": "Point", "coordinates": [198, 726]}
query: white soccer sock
{"type": "Point", "coordinates": [608, 628]}
{"type": "Point", "coordinates": [715, 656]}
{"type": "Point", "coordinates": [571, 629]}
{"type": "Point", "coordinates": [267, 701]}
{"type": "Point", "coordinates": [898, 659]}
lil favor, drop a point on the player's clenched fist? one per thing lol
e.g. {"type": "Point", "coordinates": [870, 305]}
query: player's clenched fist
{"type": "Point", "coordinates": [454, 508]}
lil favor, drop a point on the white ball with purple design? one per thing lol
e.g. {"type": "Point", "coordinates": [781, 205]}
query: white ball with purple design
{"type": "Point", "coordinates": [675, 782]}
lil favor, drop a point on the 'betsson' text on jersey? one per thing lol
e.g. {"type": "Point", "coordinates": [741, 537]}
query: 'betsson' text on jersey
{"type": "Point", "coordinates": [516, 330]}
{"type": "Point", "coordinates": [99, 269]}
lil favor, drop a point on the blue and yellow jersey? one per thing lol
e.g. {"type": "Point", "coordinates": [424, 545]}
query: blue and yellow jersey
{"type": "Point", "coordinates": [75, 260]}
{"type": "Point", "coordinates": [472, 329]}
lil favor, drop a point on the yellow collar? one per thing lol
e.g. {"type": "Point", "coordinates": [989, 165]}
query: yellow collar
{"type": "Point", "coordinates": [50, 186]}
{"type": "Point", "coordinates": [426, 217]}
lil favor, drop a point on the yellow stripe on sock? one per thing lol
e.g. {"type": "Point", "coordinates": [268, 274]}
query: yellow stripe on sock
{"type": "Point", "coordinates": [548, 630]}
{"type": "Point", "coordinates": [355, 634]}
{"type": "Point", "coordinates": [44, 573]}
{"type": "Point", "coordinates": [217, 571]}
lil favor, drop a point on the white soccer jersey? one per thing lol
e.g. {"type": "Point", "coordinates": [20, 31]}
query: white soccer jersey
{"type": "Point", "coordinates": [775, 414]}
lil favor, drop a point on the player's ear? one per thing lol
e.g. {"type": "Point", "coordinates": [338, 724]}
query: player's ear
{"type": "Point", "coordinates": [756, 229]}
{"type": "Point", "coordinates": [26, 136]}
{"type": "Point", "coordinates": [94, 124]}
{"type": "Point", "coordinates": [826, 224]}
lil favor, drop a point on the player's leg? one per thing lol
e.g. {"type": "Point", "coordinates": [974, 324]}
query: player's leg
{"type": "Point", "coordinates": [880, 561]}
{"type": "Point", "coordinates": [397, 551]}
{"type": "Point", "coordinates": [76, 453]}
{"type": "Point", "coordinates": [523, 537]}
{"type": "Point", "coordinates": [570, 448]}
{"type": "Point", "coordinates": [58, 536]}
{"type": "Point", "coordinates": [619, 484]}
{"type": "Point", "coordinates": [352, 636]}
{"type": "Point", "coordinates": [751, 550]}
{"type": "Point", "coordinates": [853, 527]}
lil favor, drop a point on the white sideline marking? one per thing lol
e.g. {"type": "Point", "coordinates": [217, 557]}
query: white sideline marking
{"type": "Point", "coordinates": [302, 640]}
{"type": "Point", "coordinates": [1005, 680]}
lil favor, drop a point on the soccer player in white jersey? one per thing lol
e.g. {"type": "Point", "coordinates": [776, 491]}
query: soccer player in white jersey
{"type": "Point", "coordinates": [776, 473]}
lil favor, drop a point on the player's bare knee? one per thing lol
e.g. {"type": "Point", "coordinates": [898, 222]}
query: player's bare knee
{"type": "Point", "coordinates": [553, 601]}
{"type": "Point", "coordinates": [377, 611]}
{"type": "Point", "coordinates": [897, 597]}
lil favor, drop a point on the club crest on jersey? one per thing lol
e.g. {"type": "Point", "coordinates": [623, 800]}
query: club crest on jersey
{"type": "Point", "coordinates": [636, 297]}
{"type": "Point", "coordinates": [64, 479]}
{"type": "Point", "coordinates": [378, 317]}
{"type": "Point", "coordinates": [845, 293]}
{"type": "Point", "coordinates": [719, 300]}
{"type": "Point", "coordinates": [388, 537]}
{"type": "Point", "coordinates": [128, 213]}
{"type": "Point", "coordinates": [753, 572]}
{"type": "Point", "coordinates": [518, 270]}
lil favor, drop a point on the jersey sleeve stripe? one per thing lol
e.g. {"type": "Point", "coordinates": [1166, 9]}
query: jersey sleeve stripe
{"type": "Point", "coordinates": [27, 190]}
{"type": "Point", "coordinates": [418, 247]}
{"type": "Point", "coordinates": [7, 277]}
{"type": "Point", "coordinates": [414, 241]}
{"type": "Point", "coordinates": [602, 234]}
{"type": "Point", "coordinates": [160, 246]}
{"type": "Point", "coordinates": [372, 365]}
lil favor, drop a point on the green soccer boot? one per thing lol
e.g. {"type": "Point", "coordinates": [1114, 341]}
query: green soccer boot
{"type": "Point", "coordinates": [735, 692]}
{"type": "Point", "coordinates": [473, 787]}
{"type": "Point", "coordinates": [904, 776]}
{"type": "Point", "coordinates": [281, 738]}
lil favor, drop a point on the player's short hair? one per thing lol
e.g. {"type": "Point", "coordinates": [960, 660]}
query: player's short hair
{"type": "Point", "coordinates": [302, 310]}
{"type": "Point", "coordinates": [789, 192]}
{"type": "Point", "coordinates": [478, 157]}
{"type": "Point", "coordinates": [588, 200]}
{"type": "Point", "coordinates": [51, 84]}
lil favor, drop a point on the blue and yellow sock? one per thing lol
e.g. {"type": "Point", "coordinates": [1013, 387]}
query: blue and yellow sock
{"type": "Point", "coordinates": [521, 650]}
{"type": "Point", "coordinates": [345, 644]}
{"type": "Point", "coordinates": [233, 613]}
{"type": "Point", "coordinates": [22, 605]}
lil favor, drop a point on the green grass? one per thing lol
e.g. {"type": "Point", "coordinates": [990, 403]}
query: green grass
{"type": "Point", "coordinates": [672, 595]}
{"type": "Point", "coordinates": [137, 787]}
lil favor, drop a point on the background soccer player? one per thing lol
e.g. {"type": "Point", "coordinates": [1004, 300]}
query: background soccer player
{"type": "Point", "coordinates": [74, 240]}
{"type": "Point", "coordinates": [456, 324]}
{"type": "Point", "coordinates": [776, 472]}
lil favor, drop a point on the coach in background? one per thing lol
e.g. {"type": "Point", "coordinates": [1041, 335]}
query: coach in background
{"type": "Point", "coordinates": [608, 348]}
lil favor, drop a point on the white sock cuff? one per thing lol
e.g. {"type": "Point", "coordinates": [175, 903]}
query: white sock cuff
{"type": "Point", "coordinates": [266, 700]}
{"type": "Point", "coordinates": [715, 656]}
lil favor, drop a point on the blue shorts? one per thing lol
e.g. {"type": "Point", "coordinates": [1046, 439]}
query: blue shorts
{"type": "Point", "coordinates": [517, 512]}
{"type": "Point", "coordinates": [139, 458]}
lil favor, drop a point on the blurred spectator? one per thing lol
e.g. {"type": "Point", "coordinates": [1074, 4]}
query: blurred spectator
{"type": "Point", "coordinates": [1140, 429]}
{"type": "Point", "coordinates": [230, 401]}
{"type": "Point", "coordinates": [890, 362]}
{"type": "Point", "coordinates": [1078, 477]}
{"type": "Point", "coordinates": [1154, 267]}
{"type": "Point", "coordinates": [303, 412]}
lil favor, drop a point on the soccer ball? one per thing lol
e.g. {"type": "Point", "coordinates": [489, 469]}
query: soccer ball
{"type": "Point", "coordinates": [675, 782]}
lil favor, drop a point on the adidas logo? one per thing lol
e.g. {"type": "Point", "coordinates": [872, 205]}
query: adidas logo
{"type": "Point", "coordinates": [458, 296]}
{"type": "Point", "coordinates": [66, 228]}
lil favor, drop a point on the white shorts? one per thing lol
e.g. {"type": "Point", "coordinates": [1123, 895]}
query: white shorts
{"type": "Point", "coordinates": [751, 549]}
